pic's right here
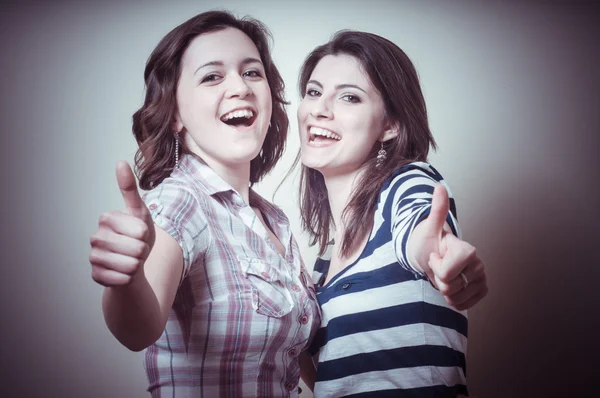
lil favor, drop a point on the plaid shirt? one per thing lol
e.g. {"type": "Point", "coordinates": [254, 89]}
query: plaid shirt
{"type": "Point", "coordinates": [242, 313]}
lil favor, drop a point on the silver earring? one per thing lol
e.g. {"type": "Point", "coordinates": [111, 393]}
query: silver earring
{"type": "Point", "coordinates": [381, 156]}
{"type": "Point", "coordinates": [176, 150]}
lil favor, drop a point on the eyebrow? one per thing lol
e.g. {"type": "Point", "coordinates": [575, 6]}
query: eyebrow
{"type": "Point", "coordinates": [245, 61]}
{"type": "Point", "coordinates": [338, 87]}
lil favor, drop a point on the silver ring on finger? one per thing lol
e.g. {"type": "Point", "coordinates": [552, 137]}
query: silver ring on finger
{"type": "Point", "coordinates": [465, 280]}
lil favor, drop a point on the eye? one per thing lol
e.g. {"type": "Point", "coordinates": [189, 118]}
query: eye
{"type": "Point", "coordinates": [353, 99]}
{"type": "Point", "coordinates": [313, 93]}
{"type": "Point", "coordinates": [210, 78]}
{"type": "Point", "coordinates": [252, 73]}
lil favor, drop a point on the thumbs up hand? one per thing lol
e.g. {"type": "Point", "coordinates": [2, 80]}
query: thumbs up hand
{"type": "Point", "coordinates": [451, 264]}
{"type": "Point", "coordinates": [124, 238]}
{"type": "Point", "coordinates": [429, 236]}
{"type": "Point", "coordinates": [459, 274]}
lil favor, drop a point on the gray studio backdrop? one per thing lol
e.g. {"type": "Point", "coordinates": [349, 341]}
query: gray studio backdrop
{"type": "Point", "coordinates": [512, 93]}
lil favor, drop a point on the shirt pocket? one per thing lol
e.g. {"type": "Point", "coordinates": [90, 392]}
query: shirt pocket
{"type": "Point", "coordinates": [270, 297]}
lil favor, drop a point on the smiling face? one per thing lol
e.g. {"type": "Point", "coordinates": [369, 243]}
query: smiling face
{"type": "Point", "coordinates": [223, 99]}
{"type": "Point", "coordinates": [341, 117]}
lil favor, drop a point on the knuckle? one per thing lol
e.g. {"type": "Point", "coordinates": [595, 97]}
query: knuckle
{"type": "Point", "coordinates": [94, 240]}
{"type": "Point", "coordinates": [444, 289]}
{"type": "Point", "coordinates": [110, 217]}
{"type": "Point", "coordinates": [145, 251]}
{"type": "Point", "coordinates": [132, 266]}
{"type": "Point", "coordinates": [443, 275]}
{"type": "Point", "coordinates": [142, 231]}
{"type": "Point", "coordinates": [471, 252]}
{"type": "Point", "coordinates": [104, 218]}
{"type": "Point", "coordinates": [139, 250]}
{"type": "Point", "coordinates": [97, 275]}
{"type": "Point", "coordinates": [97, 239]}
{"type": "Point", "coordinates": [462, 251]}
{"type": "Point", "coordinates": [94, 256]}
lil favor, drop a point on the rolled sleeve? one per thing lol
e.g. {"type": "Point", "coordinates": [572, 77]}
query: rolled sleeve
{"type": "Point", "coordinates": [412, 197]}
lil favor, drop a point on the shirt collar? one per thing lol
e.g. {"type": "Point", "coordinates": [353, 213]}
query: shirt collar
{"type": "Point", "coordinates": [202, 174]}
{"type": "Point", "coordinates": [195, 169]}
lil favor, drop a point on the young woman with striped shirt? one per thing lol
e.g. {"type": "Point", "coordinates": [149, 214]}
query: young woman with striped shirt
{"type": "Point", "coordinates": [394, 276]}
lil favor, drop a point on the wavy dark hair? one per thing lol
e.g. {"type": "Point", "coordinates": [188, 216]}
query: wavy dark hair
{"type": "Point", "coordinates": [153, 122]}
{"type": "Point", "coordinates": [394, 77]}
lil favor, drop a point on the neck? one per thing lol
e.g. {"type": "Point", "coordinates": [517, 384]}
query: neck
{"type": "Point", "coordinates": [238, 177]}
{"type": "Point", "coordinates": [339, 189]}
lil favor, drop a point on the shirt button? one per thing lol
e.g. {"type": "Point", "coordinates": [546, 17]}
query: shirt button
{"type": "Point", "coordinates": [346, 286]}
{"type": "Point", "coordinates": [295, 288]}
{"type": "Point", "coordinates": [265, 274]}
{"type": "Point", "coordinates": [238, 202]}
{"type": "Point", "coordinates": [153, 206]}
{"type": "Point", "coordinates": [292, 352]}
{"type": "Point", "coordinates": [304, 320]}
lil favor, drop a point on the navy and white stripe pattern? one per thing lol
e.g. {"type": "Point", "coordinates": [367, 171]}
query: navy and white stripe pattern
{"type": "Point", "coordinates": [385, 330]}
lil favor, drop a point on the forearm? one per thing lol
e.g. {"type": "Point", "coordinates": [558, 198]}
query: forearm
{"type": "Point", "coordinates": [416, 253]}
{"type": "Point", "coordinates": [132, 314]}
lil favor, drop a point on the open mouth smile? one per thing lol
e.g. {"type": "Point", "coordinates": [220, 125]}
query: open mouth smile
{"type": "Point", "coordinates": [239, 117]}
{"type": "Point", "coordinates": [319, 135]}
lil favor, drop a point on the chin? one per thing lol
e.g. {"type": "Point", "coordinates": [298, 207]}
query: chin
{"type": "Point", "coordinates": [241, 155]}
{"type": "Point", "coordinates": [312, 164]}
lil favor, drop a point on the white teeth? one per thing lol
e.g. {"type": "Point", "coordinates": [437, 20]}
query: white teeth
{"type": "Point", "coordinates": [324, 133]}
{"type": "Point", "coordinates": [246, 113]}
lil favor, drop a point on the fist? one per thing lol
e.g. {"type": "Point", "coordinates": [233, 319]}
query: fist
{"type": "Point", "coordinates": [124, 239]}
{"type": "Point", "coordinates": [459, 274]}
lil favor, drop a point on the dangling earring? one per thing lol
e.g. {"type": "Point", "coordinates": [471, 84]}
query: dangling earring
{"type": "Point", "coordinates": [176, 150]}
{"type": "Point", "coordinates": [381, 156]}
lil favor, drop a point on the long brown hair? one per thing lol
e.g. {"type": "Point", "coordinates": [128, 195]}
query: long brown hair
{"type": "Point", "coordinates": [153, 122]}
{"type": "Point", "coordinates": [393, 75]}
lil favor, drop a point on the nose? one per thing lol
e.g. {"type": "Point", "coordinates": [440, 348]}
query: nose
{"type": "Point", "coordinates": [237, 87]}
{"type": "Point", "coordinates": [321, 109]}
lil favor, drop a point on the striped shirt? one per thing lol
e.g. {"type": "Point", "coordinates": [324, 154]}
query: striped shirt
{"type": "Point", "coordinates": [386, 331]}
{"type": "Point", "coordinates": [242, 313]}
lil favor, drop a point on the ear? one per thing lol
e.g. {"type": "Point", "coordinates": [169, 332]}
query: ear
{"type": "Point", "coordinates": [391, 131]}
{"type": "Point", "coordinates": [177, 124]}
